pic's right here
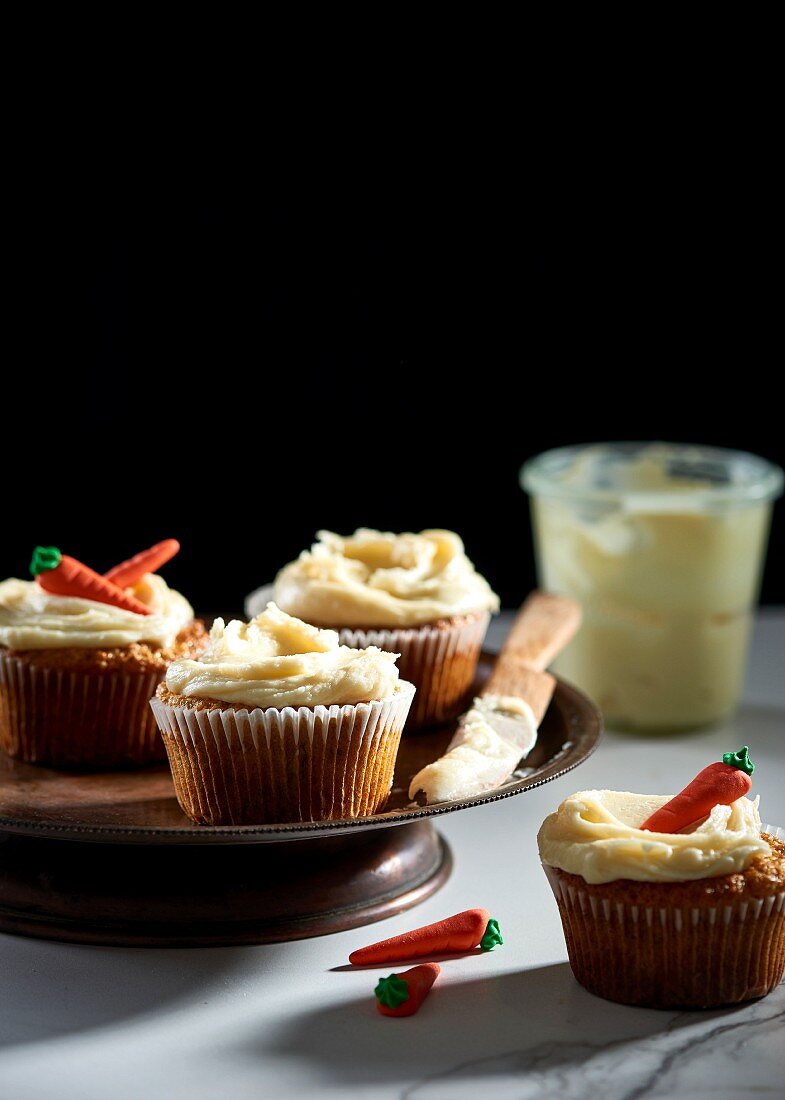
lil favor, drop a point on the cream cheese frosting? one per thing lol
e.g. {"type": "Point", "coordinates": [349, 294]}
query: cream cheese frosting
{"type": "Point", "coordinates": [378, 579]}
{"type": "Point", "coordinates": [276, 660]}
{"type": "Point", "coordinates": [595, 834]}
{"type": "Point", "coordinates": [31, 618]}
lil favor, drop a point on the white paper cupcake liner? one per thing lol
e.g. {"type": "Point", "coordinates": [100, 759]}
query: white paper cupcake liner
{"type": "Point", "coordinates": [63, 719]}
{"type": "Point", "coordinates": [234, 766]}
{"type": "Point", "coordinates": [673, 956]}
{"type": "Point", "coordinates": [439, 661]}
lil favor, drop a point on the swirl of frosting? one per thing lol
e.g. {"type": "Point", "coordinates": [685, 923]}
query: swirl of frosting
{"type": "Point", "coordinates": [377, 579]}
{"type": "Point", "coordinates": [595, 834]}
{"type": "Point", "coordinates": [278, 661]}
{"type": "Point", "coordinates": [31, 618]}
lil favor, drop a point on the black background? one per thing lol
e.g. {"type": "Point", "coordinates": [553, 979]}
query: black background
{"type": "Point", "coordinates": [241, 363]}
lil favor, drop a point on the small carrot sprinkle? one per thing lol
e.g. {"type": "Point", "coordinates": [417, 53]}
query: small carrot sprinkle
{"type": "Point", "coordinates": [402, 994]}
{"type": "Point", "coordinates": [719, 784]}
{"type": "Point", "coordinates": [128, 572]}
{"type": "Point", "coordinates": [65, 576]}
{"type": "Point", "coordinates": [461, 932]}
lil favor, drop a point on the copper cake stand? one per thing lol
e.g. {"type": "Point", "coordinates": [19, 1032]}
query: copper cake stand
{"type": "Point", "coordinates": [109, 858]}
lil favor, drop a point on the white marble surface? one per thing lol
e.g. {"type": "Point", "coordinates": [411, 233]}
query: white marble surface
{"type": "Point", "coordinates": [281, 1021]}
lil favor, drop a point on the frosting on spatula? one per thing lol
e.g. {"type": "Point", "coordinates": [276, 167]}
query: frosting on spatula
{"type": "Point", "coordinates": [492, 738]}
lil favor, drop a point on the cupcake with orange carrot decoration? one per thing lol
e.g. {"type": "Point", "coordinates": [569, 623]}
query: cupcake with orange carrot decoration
{"type": "Point", "coordinates": [82, 653]}
{"type": "Point", "coordinates": [671, 902]}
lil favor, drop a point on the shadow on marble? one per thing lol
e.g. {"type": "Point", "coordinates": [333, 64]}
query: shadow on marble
{"type": "Point", "coordinates": [56, 989]}
{"type": "Point", "coordinates": [530, 1021]}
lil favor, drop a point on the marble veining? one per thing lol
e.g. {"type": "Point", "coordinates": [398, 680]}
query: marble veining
{"type": "Point", "coordinates": [695, 1054]}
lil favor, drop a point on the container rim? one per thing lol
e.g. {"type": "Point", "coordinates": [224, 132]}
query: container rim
{"type": "Point", "coordinates": [762, 480]}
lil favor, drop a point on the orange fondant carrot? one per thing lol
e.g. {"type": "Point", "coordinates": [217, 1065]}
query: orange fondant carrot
{"type": "Point", "coordinates": [148, 561]}
{"type": "Point", "coordinates": [402, 994]}
{"type": "Point", "coordinates": [64, 576]}
{"type": "Point", "coordinates": [717, 785]}
{"type": "Point", "coordinates": [462, 932]}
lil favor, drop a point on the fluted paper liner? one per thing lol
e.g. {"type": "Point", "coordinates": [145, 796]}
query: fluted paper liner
{"type": "Point", "coordinates": [234, 766]}
{"type": "Point", "coordinates": [439, 661]}
{"type": "Point", "coordinates": [62, 718]}
{"type": "Point", "coordinates": [673, 956]}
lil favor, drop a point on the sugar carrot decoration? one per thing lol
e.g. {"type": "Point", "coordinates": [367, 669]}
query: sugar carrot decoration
{"type": "Point", "coordinates": [402, 994]}
{"type": "Point", "coordinates": [462, 932]}
{"type": "Point", "coordinates": [64, 576]}
{"type": "Point", "coordinates": [717, 785]}
{"type": "Point", "coordinates": [148, 561]}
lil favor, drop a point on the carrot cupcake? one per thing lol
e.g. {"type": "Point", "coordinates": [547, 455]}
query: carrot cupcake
{"type": "Point", "coordinates": [81, 654]}
{"type": "Point", "coordinates": [416, 595]}
{"type": "Point", "coordinates": [277, 722]}
{"type": "Point", "coordinates": [691, 918]}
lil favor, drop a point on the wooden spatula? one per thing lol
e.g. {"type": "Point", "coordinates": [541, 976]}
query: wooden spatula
{"type": "Point", "coordinates": [541, 629]}
{"type": "Point", "coordinates": [501, 727]}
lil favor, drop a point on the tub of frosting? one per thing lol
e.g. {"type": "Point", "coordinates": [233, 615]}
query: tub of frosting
{"type": "Point", "coordinates": [663, 544]}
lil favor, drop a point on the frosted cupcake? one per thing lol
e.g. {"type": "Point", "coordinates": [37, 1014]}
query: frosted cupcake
{"type": "Point", "coordinates": [278, 722]}
{"type": "Point", "coordinates": [686, 919]}
{"type": "Point", "coordinates": [416, 595]}
{"type": "Point", "coordinates": [76, 671]}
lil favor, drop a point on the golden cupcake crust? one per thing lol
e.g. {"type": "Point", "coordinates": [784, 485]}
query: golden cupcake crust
{"type": "Point", "coordinates": [172, 699]}
{"type": "Point", "coordinates": [139, 657]}
{"type": "Point", "coordinates": [764, 877]}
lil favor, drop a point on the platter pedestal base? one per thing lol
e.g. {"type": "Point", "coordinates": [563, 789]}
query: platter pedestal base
{"type": "Point", "coordinates": [189, 896]}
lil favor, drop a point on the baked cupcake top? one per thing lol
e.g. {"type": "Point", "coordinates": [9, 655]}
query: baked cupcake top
{"type": "Point", "coordinates": [276, 660]}
{"type": "Point", "coordinates": [378, 579]}
{"type": "Point", "coordinates": [598, 835]}
{"type": "Point", "coordinates": [32, 618]}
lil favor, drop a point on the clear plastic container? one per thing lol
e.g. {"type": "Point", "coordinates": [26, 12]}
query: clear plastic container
{"type": "Point", "coordinates": [663, 544]}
